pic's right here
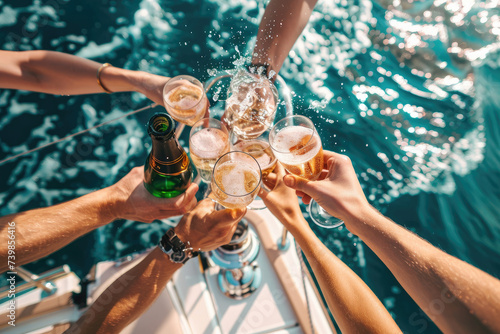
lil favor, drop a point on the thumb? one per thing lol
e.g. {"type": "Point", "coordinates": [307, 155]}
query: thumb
{"type": "Point", "coordinates": [299, 183]}
{"type": "Point", "coordinates": [183, 199]}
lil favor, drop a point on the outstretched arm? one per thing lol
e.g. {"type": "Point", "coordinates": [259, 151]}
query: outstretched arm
{"type": "Point", "coordinates": [63, 74]}
{"type": "Point", "coordinates": [41, 232]}
{"type": "Point", "coordinates": [281, 25]}
{"type": "Point", "coordinates": [353, 305]}
{"type": "Point", "coordinates": [138, 288]}
{"type": "Point", "coordinates": [458, 297]}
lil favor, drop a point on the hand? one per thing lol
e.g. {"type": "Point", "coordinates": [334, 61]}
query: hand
{"type": "Point", "coordinates": [282, 201]}
{"type": "Point", "coordinates": [152, 85]}
{"type": "Point", "coordinates": [207, 229]}
{"type": "Point", "coordinates": [338, 191]}
{"type": "Point", "coordinates": [134, 202]}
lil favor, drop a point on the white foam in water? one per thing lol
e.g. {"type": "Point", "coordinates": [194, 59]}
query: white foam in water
{"type": "Point", "coordinates": [208, 143]}
{"type": "Point", "coordinates": [290, 137]}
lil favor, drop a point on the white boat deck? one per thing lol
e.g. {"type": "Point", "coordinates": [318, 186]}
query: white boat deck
{"type": "Point", "coordinates": [193, 303]}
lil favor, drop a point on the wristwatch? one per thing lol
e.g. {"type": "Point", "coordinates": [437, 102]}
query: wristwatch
{"type": "Point", "coordinates": [176, 250]}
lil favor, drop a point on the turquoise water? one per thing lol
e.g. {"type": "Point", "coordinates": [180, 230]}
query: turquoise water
{"type": "Point", "coordinates": [409, 90]}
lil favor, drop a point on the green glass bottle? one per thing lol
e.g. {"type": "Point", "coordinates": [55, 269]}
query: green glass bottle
{"type": "Point", "coordinates": [167, 171]}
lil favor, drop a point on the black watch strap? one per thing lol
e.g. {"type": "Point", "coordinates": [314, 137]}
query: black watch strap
{"type": "Point", "coordinates": [177, 251]}
{"type": "Point", "coordinates": [174, 240]}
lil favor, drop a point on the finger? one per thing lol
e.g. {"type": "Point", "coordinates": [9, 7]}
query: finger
{"type": "Point", "coordinates": [269, 185]}
{"type": "Point", "coordinates": [231, 232]}
{"type": "Point", "coordinates": [330, 163]}
{"type": "Point", "coordinates": [227, 216]}
{"type": "Point", "coordinates": [263, 193]}
{"type": "Point", "coordinates": [178, 202]}
{"type": "Point", "coordinates": [300, 193]}
{"type": "Point", "coordinates": [306, 199]}
{"type": "Point", "coordinates": [296, 182]}
{"type": "Point", "coordinates": [270, 178]}
{"type": "Point", "coordinates": [189, 206]}
{"type": "Point", "coordinates": [323, 175]}
{"type": "Point", "coordinates": [329, 154]}
{"type": "Point", "coordinates": [187, 197]}
{"type": "Point", "coordinates": [330, 158]}
{"type": "Point", "coordinates": [279, 170]}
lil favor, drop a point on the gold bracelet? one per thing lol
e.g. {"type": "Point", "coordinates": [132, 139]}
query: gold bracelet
{"type": "Point", "coordinates": [99, 77]}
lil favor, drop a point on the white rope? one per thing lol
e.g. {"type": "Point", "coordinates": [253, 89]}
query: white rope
{"type": "Point", "coordinates": [77, 133]}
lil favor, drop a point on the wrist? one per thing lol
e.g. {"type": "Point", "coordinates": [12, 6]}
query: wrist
{"type": "Point", "coordinates": [110, 205]}
{"type": "Point", "coordinates": [303, 234]}
{"type": "Point", "coordinates": [181, 234]}
{"type": "Point", "coordinates": [356, 220]}
{"type": "Point", "coordinates": [135, 81]}
{"type": "Point", "coordinates": [296, 224]}
{"type": "Point", "coordinates": [115, 203]}
{"type": "Point", "coordinates": [263, 68]}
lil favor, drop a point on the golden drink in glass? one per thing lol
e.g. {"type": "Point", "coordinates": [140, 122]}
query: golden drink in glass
{"type": "Point", "coordinates": [297, 146]}
{"type": "Point", "coordinates": [208, 140]}
{"type": "Point", "coordinates": [185, 99]}
{"type": "Point", "coordinates": [236, 180]}
{"type": "Point", "coordinates": [261, 151]}
{"type": "Point", "coordinates": [299, 150]}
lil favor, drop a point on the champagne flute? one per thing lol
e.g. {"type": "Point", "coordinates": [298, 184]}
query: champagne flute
{"type": "Point", "coordinates": [297, 146]}
{"type": "Point", "coordinates": [236, 180]}
{"type": "Point", "coordinates": [208, 140]}
{"type": "Point", "coordinates": [185, 99]}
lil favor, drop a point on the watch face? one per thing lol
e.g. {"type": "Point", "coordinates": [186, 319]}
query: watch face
{"type": "Point", "coordinates": [178, 257]}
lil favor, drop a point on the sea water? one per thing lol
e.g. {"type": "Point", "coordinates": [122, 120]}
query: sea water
{"type": "Point", "coordinates": [409, 90]}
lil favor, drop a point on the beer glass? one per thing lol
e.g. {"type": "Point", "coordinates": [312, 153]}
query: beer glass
{"type": "Point", "coordinates": [208, 140]}
{"type": "Point", "coordinates": [297, 146]}
{"type": "Point", "coordinates": [185, 99]}
{"type": "Point", "coordinates": [236, 180]}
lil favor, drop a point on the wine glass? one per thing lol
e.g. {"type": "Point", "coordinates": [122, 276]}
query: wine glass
{"type": "Point", "coordinates": [185, 99]}
{"type": "Point", "coordinates": [251, 104]}
{"type": "Point", "coordinates": [260, 149]}
{"type": "Point", "coordinates": [297, 146]}
{"type": "Point", "coordinates": [236, 180]}
{"type": "Point", "coordinates": [208, 140]}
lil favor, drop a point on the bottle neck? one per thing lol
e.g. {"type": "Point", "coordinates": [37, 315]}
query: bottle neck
{"type": "Point", "coordinates": [164, 149]}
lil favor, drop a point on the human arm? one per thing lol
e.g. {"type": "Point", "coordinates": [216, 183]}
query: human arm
{"type": "Point", "coordinates": [63, 74]}
{"type": "Point", "coordinates": [353, 305]}
{"type": "Point", "coordinates": [281, 25]}
{"type": "Point", "coordinates": [203, 227]}
{"type": "Point", "coordinates": [458, 297]}
{"type": "Point", "coordinates": [40, 232]}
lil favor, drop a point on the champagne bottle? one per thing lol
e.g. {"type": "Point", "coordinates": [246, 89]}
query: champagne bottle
{"type": "Point", "coordinates": [167, 171]}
